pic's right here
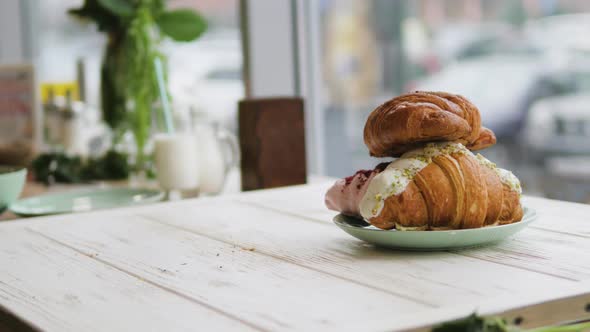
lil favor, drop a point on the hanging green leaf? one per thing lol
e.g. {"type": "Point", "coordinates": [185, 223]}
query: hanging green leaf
{"type": "Point", "coordinates": [92, 10]}
{"type": "Point", "coordinates": [182, 24]}
{"type": "Point", "coordinates": [123, 8]}
{"type": "Point", "coordinates": [128, 85]}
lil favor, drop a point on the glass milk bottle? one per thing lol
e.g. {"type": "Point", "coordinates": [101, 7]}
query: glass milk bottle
{"type": "Point", "coordinates": [176, 159]}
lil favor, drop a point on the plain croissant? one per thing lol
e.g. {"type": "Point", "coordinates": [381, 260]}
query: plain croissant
{"type": "Point", "coordinates": [455, 190]}
{"type": "Point", "coordinates": [408, 121]}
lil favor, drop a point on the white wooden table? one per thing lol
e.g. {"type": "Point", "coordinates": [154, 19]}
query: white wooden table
{"type": "Point", "coordinates": [273, 261]}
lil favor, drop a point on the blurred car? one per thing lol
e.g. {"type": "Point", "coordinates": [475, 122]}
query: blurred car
{"type": "Point", "coordinates": [559, 125]}
{"type": "Point", "coordinates": [502, 86]}
{"type": "Point", "coordinates": [559, 32]}
{"type": "Point", "coordinates": [556, 137]}
{"type": "Point", "coordinates": [505, 86]}
{"type": "Point", "coordinates": [567, 178]}
{"type": "Point", "coordinates": [504, 70]}
{"type": "Point", "coordinates": [459, 40]}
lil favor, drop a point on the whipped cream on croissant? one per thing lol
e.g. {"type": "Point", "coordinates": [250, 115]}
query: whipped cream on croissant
{"type": "Point", "coordinates": [505, 175]}
{"type": "Point", "coordinates": [394, 179]}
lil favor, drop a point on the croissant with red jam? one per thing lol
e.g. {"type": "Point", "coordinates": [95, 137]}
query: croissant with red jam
{"type": "Point", "coordinates": [437, 182]}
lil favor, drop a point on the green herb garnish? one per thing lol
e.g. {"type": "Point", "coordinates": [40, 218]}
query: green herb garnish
{"type": "Point", "coordinates": [475, 323]}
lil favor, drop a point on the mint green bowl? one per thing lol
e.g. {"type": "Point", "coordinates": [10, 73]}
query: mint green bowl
{"type": "Point", "coordinates": [432, 240]}
{"type": "Point", "coordinates": [12, 181]}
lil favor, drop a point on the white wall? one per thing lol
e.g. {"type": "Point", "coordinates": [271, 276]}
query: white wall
{"type": "Point", "coordinates": [11, 41]}
{"type": "Point", "coordinates": [267, 31]}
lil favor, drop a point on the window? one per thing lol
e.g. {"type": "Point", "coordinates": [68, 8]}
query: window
{"type": "Point", "coordinates": [525, 64]}
{"type": "Point", "coordinates": [204, 75]}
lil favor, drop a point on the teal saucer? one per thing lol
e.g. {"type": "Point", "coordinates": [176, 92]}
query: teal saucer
{"type": "Point", "coordinates": [12, 181]}
{"type": "Point", "coordinates": [432, 240]}
{"type": "Point", "coordinates": [87, 200]}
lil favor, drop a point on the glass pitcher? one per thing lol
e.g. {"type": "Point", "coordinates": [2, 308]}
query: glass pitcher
{"type": "Point", "coordinates": [218, 153]}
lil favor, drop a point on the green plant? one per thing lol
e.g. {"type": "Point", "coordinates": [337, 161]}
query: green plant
{"type": "Point", "coordinates": [111, 166]}
{"type": "Point", "coordinates": [135, 29]}
{"type": "Point", "coordinates": [475, 323]}
{"type": "Point", "coordinates": [56, 167]}
{"type": "Point", "coordinates": [61, 168]}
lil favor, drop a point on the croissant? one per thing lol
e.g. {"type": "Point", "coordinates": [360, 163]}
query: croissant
{"type": "Point", "coordinates": [408, 121]}
{"type": "Point", "coordinates": [446, 187]}
{"type": "Point", "coordinates": [437, 183]}
{"type": "Point", "coordinates": [439, 186]}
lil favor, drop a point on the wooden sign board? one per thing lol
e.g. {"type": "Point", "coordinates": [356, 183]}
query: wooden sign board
{"type": "Point", "coordinates": [17, 114]}
{"type": "Point", "coordinates": [272, 142]}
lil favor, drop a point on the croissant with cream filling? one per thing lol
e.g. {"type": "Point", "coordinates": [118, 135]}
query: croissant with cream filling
{"type": "Point", "coordinates": [455, 189]}
{"type": "Point", "coordinates": [437, 183]}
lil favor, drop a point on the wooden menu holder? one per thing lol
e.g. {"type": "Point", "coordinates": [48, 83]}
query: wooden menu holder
{"type": "Point", "coordinates": [272, 142]}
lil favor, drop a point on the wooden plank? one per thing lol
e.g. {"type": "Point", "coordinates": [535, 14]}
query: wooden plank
{"type": "Point", "coordinates": [565, 306]}
{"type": "Point", "coordinates": [542, 251]}
{"type": "Point", "coordinates": [261, 289]}
{"type": "Point", "coordinates": [303, 201]}
{"type": "Point", "coordinates": [10, 322]}
{"type": "Point", "coordinates": [556, 244]}
{"type": "Point", "coordinates": [308, 202]}
{"type": "Point", "coordinates": [277, 225]}
{"type": "Point", "coordinates": [562, 309]}
{"type": "Point", "coordinates": [59, 289]}
{"type": "Point", "coordinates": [435, 278]}
{"type": "Point", "coordinates": [558, 216]}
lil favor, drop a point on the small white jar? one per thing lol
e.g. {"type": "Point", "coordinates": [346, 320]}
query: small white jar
{"type": "Point", "coordinates": [176, 157]}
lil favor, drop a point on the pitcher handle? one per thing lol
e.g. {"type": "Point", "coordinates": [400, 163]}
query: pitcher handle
{"type": "Point", "coordinates": [230, 147]}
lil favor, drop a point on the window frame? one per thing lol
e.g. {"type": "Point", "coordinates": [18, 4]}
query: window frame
{"type": "Point", "coordinates": [281, 47]}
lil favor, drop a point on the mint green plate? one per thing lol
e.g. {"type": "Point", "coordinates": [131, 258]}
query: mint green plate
{"type": "Point", "coordinates": [432, 240]}
{"type": "Point", "coordinates": [12, 181]}
{"type": "Point", "coordinates": [87, 200]}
